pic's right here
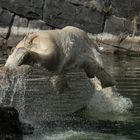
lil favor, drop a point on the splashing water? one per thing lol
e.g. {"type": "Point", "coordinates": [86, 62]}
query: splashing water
{"type": "Point", "coordinates": [108, 100]}
{"type": "Point", "coordinates": [79, 135]}
{"type": "Point", "coordinates": [103, 100]}
{"type": "Point", "coordinates": [12, 90]}
{"type": "Point", "coordinates": [4, 86]}
{"type": "Point", "coordinates": [18, 84]}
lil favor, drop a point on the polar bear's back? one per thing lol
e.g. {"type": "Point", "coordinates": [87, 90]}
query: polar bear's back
{"type": "Point", "coordinates": [74, 30]}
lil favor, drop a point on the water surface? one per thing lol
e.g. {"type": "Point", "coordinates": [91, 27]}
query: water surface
{"type": "Point", "coordinates": [90, 125]}
{"type": "Point", "coordinates": [102, 126]}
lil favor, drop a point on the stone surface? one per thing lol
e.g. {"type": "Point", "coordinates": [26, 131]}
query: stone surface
{"type": "Point", "coordinates": [60, 14]}
{"type": "Point", "coordinates": [125, 8]}
{"type": "Point", "coordinates": [138, 25]}
{"type": "Point", "coordinates": [18, 30]}
{"type": "Point", "coordinates": [10, 126]}
{"type": "Point", "coordinates": [2, 41]}
{"type": "Point", "coordinates": [5, 22]}
{"type": "Point", "coordinates": [93, 21]}
{"type": "Point", "coordinates": [26, 8]}
{"type": "Point", "coordinates": [21, 27]}
{"type": "Point", "coordinates": [88, 15]}
{"type": "Point", "coordinates": [116, 25]}
{"type": "Point", "coordinates": [35, 25]}
{"type": "Point", "coordinates": [18, 17]}
{"type": "Point", "coordinates": [92, 4]}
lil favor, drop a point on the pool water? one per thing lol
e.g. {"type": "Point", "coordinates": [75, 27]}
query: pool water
{"type": "Point", "coordinates": [93, 125]}
{"type": "Point", "coordinates": [90, 125]}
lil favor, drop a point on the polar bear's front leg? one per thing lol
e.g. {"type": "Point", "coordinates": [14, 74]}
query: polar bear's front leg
{"type": "Point", "coordinates": [92, 68]}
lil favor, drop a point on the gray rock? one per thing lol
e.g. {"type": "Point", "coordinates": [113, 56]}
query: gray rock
{"type": "Point", "coordinates": [116, 25]}
{"type": "Point", "coordinates": [30, 9]}
{"type": "Point", "coordinates": [91, 21]}
{"type": "Point", "coordinates": [2, 41]}
{"type": "Point", "coordinates": [138, 25]}
{"type": "Point", "coordinates": [10, 126]}
{"type": "Point", "coordinates": [59, 13]}
{"type": "Point", "coordinates": [21, 27]}
{"type": "Point", "coordinates": [97, 4]}
{"type": "Point", "coordinates": [89, 15]}
{"type": "Point", "coordinates": [5, 21]}
{"type": "Point", "coordinates": [1, 53]}
{"type": "Point", "coordinates": [62, 13]}
{"type": "Point", "coordinates": [125, 8]}
{"type": "Point", "coordinates": [18, 30]}
{"type": "Point", "coordinates": [35, 25]}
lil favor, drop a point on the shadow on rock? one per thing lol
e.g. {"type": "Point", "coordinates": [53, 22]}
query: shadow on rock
{"type": "Point", "coordinates": [10, 126]}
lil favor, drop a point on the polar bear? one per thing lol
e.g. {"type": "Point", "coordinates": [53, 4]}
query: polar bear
{"type": "Point", "coordinates": [59, 51]}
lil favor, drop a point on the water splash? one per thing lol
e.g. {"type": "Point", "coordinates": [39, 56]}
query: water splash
{"type": "Point", "coordinates": [18, 85]}
{"type": "Point", "coordinates": [108, 100]}
{"type": "Point", "coordinates": [18, 88]}
{"type": "Point", "coordinates": [12, 89]}
{"type": "Point", "coordinates": [81, 135]}
{"type": "Point", "coordinates": [4, 86]}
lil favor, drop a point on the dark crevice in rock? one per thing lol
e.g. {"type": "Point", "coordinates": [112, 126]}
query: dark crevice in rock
{"type": "Point", "coordinates": [59, 13]}
{"type": "Point", "coordinates": [52, 26]}
{"type": "Point", "coordinates": [106, 11]}
{"type": "Point", "coordinates": [80, 4]}
{"type": "Point", "coordinates": [32, 15]}
{"type": "Point", "coordinates": [43, 5]}
{"type": "Point", "coordinates": [75, 4]}
{"type": "Point", "coordinates": [10, 27]}
{"type": "Point", "coordinates": [28, 21]}
{"type": "Point", "coordinates": [104, 21]}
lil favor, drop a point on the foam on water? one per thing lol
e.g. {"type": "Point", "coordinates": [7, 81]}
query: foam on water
{"type": "Point", "coordinates": [108, 100]}
{"type": "Point", "coordinates": [78, 135]}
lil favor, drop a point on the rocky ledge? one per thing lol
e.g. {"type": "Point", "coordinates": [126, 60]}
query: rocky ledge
{"type": "Point", "coordinates": [10, 126]}
{"type": "Point", "coordinates": [117, 18]}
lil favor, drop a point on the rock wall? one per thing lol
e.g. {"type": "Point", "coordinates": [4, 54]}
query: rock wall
{"type": "Point", "coordinates": [18, 17]}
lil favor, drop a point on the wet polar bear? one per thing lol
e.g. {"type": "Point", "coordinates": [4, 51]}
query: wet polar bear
{"type": "Point", "coordinates": [59, 51]}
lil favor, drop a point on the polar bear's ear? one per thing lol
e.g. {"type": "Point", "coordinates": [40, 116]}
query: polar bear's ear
{"type": "Point", "coordinates": [28, 40]}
